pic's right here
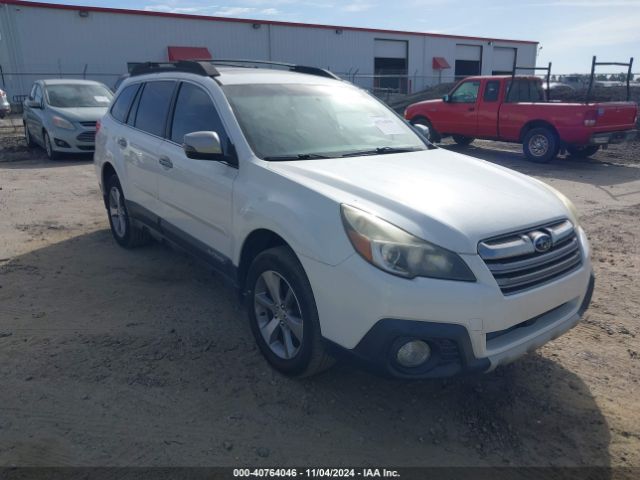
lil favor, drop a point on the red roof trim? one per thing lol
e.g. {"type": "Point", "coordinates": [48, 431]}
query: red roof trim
{"type": "Point", "coordinates": [248, 20]}
{"type": "Point", "coordinates": [440, 63]}
{"type": "Point", "coordinates": [188, 53]}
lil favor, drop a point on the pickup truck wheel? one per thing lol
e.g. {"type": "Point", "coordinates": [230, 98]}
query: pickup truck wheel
{"type": "Point", "coordinates": [462, 140]}
{"type": "Point", "coordinates": [283, 314]}
{"type": "Point", "coordinates": [540, 145]}
{"type": "Point", "coordinates": [124, 233]}
{"type": "Point", "coordinates": [582, 152]}
{"type": "Point", "coordinates": [434, 136]}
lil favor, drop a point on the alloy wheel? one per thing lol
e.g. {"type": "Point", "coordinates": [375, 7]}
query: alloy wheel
{"type": "Point", "coordinates": [539, 145]}
{"type": "Point", "coordinates": [117, 212]}
{"type": "Point", "coordinates": [278, 314]}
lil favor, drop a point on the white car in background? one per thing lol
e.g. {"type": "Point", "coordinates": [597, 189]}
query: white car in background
{"type": "Point", "coordinates": [345, 230]}
{"type": "Point", "coordinates": [5, 106]}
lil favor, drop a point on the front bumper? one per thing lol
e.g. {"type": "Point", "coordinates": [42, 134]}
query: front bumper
{"type": "Point", "coordinates": [451, 349]}
{"type": "Point", "coordinates": [73, 141]}
{"type": "Point", "coordinates": [613, 137]}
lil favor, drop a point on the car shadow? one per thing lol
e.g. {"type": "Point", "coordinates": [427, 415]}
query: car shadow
{"type": "Point", "coordinates": [120, 357]}
{"type": "Point", "coordinates": [592, 171]}
{"type": "Point", "coordinates": [38, 159]}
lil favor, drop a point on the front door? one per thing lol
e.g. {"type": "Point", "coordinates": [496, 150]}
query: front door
{"type": "Point", "coordinates": [196, 195]}
{"type": "Point", "coordinates": [460, 113]}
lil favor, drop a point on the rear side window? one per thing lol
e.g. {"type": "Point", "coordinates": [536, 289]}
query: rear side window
{"type": "Point", "coordinates": [123, 102]}
{"type": "Point", "coordinates": [153, 107]}
{"type": "Point", "coordinates": [525, 90]}
{"type": "Point", "coordinates": [491, 91]}
{"type": "Point", "coordinates": [195, 112]}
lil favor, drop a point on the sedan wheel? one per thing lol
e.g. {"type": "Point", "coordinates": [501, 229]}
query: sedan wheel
{"type": "Point", "coordinates": [117, 212]}
{"type": "Point", "coordinates": [279, 314]}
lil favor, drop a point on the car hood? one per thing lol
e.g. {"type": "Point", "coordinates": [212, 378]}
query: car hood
{"type": "Point", "coordinates": [82, 114]}
{"type": "Point", "coordinates": [441, 196]}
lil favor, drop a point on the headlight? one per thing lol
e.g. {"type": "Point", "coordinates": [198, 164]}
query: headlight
{"type": "Point", "coordinates": [62, 123]}
{"type": "Point", "coordinates": [395, 251]}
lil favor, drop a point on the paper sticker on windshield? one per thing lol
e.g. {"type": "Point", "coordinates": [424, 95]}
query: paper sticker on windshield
{"type": "Point", "coordinates": [101, 99]}
{"type": "Point", "coordinates": [388, 126]}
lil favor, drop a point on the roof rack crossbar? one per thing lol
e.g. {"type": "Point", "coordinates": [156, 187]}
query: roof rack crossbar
{"type": "Point", "coordinates": [595, 64]}
{"type": "Point", "coordinates": [321, 72]}
{"type": "Point", "coordinates": [199, 67]}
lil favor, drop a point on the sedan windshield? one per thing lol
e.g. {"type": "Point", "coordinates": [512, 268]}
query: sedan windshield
{"type": "Point", "coordinates": [78, 95]}
{"type": "Point", "coordinates": [300, 122]}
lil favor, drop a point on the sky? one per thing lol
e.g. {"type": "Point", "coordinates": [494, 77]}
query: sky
{"type": "Point", "coordinates": [570, 32]}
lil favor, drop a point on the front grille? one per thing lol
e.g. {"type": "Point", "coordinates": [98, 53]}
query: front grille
{"type": "Point", "coordinates": [88, 124]}
{"type": "Point", "coordinates": [524, 260]}
{"type": "Point", "coordinates": [88, 137]}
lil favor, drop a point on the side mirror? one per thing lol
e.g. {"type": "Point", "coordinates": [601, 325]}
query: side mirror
{"type": "Point", "coordinates": [203, 146]}
{"type": "Point", "coordinates": [32, 104]}
{"type": "Point", "coordinates": [423, 130]}
{"type": "Point", "coordinates": [446, 98]}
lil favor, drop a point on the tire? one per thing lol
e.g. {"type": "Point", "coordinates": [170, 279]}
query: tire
{"type": "Point", "coordinates": [124, 233]}
{"type": "Point", "coordinates": [276, 274]}
{"type": "Point", "coordinates": [51, 153]}
{"type": "Point", "coordinates": [540, 145]}
{"type": "Point", "coordinates": [434, 136]}
{"type": "Point", "coordinates": [582, 152]}
{"type": "Point", "coordinates": [28, 138]}
{"type": "Point", "coordinates": [462, 140]}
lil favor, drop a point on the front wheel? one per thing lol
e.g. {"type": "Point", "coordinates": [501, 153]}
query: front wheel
{"type": "Point", "coordinates": [582, 152]}
{"type": "Point", "coordinates": [283, 314]}
{"type": "Point", "coordinates": [462, 140]}
{"type": "Point", "coordinates": [51, 153]}
{"type": "Point", "coordinates": [28, 138]}
{"type": "Point", "coordinates": [540, 145]}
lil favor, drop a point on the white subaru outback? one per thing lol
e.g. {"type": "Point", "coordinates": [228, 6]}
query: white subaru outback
{"type": "Point", "coordinates": [344, 229]}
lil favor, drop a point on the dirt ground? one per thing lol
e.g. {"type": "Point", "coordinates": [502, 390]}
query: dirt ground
{"type": "Point", "coordinates": [111, 357]}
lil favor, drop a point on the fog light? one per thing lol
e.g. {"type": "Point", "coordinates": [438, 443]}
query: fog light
{"type": "Point", "coordinates": [61, 143]}
{"type": "Point", "coordinates": [413, 353]}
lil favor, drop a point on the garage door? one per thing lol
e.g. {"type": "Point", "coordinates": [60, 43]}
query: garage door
{"type": "Point", "coordinates": [503, 60]}
{"type": "Point", "coordinates": [468, 60]}
{"type": "Point", "coordinates": [390, 65]}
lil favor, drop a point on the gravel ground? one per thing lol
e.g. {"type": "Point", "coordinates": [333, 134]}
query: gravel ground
{"type": "Point", "coordinates": [111, 357]}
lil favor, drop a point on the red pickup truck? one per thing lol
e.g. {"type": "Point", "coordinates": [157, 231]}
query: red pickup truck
{"type": "Point", "coordinates": [478, 107]}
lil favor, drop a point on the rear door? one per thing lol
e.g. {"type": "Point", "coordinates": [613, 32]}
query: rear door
{"type": "Point", "coordinates": [140, 143]}
{"type": "Point", "coordinates": [488, 108]}
{"type": "Point", "coordinates": [196, 195]}
{"type": "Point", "coordinates": [460, 114]}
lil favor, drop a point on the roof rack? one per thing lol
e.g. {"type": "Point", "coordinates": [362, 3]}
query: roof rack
{"type": "Point", "coordinates": [595, 64]}
{"type": "Point", "coordinates": [199, 67]}
{"type": "Point", "coordinates": [513, 76]}
{"type": "Point", "coordinates": [320, 72]}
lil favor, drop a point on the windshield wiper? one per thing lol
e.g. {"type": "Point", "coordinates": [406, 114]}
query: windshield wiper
{"type": "Point", "coordinates": [299, 156]}
{"type": "Point", "coordinates": [380, 151]}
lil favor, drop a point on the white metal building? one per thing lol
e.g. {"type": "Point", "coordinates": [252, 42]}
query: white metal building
{"type": "Point", "coordinates": [40, 40]}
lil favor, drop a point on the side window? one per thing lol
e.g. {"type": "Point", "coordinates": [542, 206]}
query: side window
{"type": "Point", "coordinates": [37, 96]}
{"type": "Point", "coordinates": [467, 92]}
{"type": "Point", "coordinates": [491, 90]}
{"type": "Point", "coordinates": [154, 104]}
{"type": "Point", "coordinates": [123, 102]}
{"type": "Point", "coordinates": [526, 90]}
{"type": "Point", "coordinates": [195, 112]}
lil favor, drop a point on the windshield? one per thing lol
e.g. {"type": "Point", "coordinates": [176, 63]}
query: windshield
{"type": "Point", "coordinates": [284, 122]}
{"type": "Point", "coordinates": [77, 95]}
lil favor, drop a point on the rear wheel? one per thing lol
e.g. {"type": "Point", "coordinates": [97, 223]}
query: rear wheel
{"type": "Point", "coordinates": [51, 153]}
{"type": "Point", "coordinates": [462, 140]}
{"type": "Point", "coordinates": [126, 234]}
{"type": "Point", "coordinates": [582, 152]}
{"type": "Point", "coordinates": [540, 145]}
{"type": "Point", "coordinates": [283, 314]}
{"type": "Point", "coordinates": [434, 136]}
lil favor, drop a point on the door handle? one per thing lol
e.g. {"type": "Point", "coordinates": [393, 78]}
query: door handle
{"type": "Point", "coordinates": [122, 142]}
{"type": "Point", "coordinates": [165, 162]}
